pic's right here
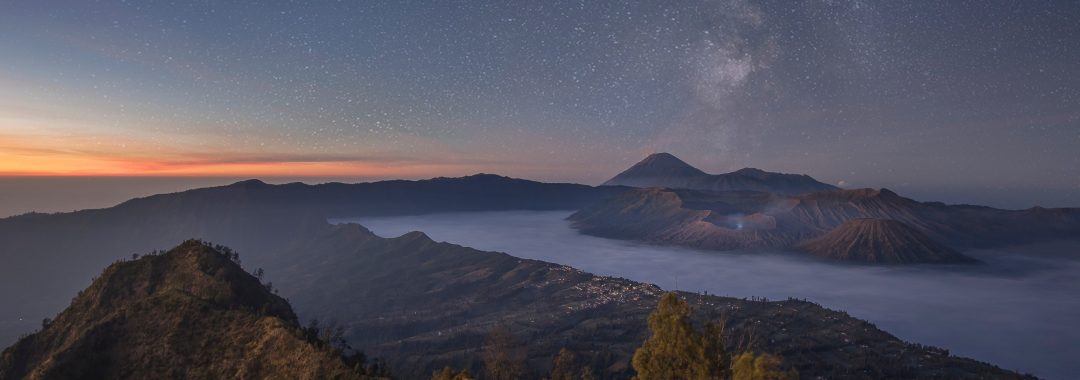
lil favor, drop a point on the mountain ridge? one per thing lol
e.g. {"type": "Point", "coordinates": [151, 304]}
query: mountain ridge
{"type": "Point", "coordinates": [752, 220]}
{"type": "Point", "coordinates": [666, 170]}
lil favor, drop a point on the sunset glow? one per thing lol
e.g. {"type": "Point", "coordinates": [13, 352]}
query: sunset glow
{"type": "Point", "coordinates": [51, 155]}
{"type": "Point", "coordinates": [83, 165]}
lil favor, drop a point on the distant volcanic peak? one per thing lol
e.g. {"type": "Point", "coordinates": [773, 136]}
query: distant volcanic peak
{"type": "Point", "coordinates": [666, 170]}
{"type": "Point", "coordinates": [658, 165]}
{"type": "Point", "coordinates": [664, 158]}
{"type": "Point", "coordinates": [667, 164]}
{"type": "Point", "coordinates": [880, 241]}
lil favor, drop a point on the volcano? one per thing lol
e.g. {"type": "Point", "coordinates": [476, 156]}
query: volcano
{"type": "Point", "coordinates": [666, 170]}
{"type": "Point", "coordinates": [880, 241]}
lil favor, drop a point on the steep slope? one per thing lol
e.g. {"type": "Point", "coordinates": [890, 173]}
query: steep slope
{"type": "Point", "coordinates": [666, 170]}
{"type": "Point", "coordinates": [880, 241]}
{"type": "Point", "coordinates": [655, 170]}
{"type": "Point", "coordinates": [188, 313]}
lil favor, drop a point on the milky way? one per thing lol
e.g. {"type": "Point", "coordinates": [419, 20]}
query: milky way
{"type": "Point", "coordinates": [980, 95]}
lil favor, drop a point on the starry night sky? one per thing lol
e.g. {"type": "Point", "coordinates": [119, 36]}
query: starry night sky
{"type": "Point", "coordinates": [976, 95]}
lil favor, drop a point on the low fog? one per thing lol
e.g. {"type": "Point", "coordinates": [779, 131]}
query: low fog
{"type": "Point", "coordinates": [1017, 310]}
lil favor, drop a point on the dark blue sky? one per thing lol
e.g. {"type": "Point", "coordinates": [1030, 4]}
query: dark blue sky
{"type": "Point", "coordinates": [961, 95]}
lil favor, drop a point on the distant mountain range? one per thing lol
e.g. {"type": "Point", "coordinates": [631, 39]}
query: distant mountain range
{"type": "Point", "coordinates": [917, 232]}
{"type": "Point", "coordinates": [748, 220]}
{"type": "Point", "coordinates": [479, 192]}
{"type": "Point", "coordinates": [187, 313]}
{"type": "Point", "coordinates": [666, 170]}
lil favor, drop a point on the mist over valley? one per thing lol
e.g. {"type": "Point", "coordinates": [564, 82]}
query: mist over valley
{"type": "Point", "coordinates": [1017, 309]}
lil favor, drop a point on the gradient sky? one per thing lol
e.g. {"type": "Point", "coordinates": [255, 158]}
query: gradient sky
{"type": "Point", "coordinates": [955, 94]}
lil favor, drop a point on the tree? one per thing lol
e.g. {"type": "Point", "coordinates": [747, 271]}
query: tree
{"type": "Point", "coordinates": [379, 369]}
{"type": "Point", "coordinates": [715, 360]}
{"type": "Point", "coordinates": [563, 368]}
{"type": "Point", "coordinates": [674, 350]}
{"type": "Point", "coordinates": [448, 373]}
{"type": "Point", "coordinates": [333, 334]}
{"type": "Point", "coordinates": [748, 366]}
{"type": "Point", "coordinates": [587, 374]}
{"type": "Point", "coordinates": [356, 360]}
{"type": "Point", "coordinates": [504, 358]}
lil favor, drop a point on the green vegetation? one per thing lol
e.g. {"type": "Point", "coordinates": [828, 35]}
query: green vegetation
{"type": "Point", "coordinates": [504, 357]}
{"type": "Point", "coordinates": [748, 366]}
{"type": "Point", "coordinates": [448, 373]}
{"type": "Point", "coordinates": [677, 350]}
{"type": "Point", "coordinates": [563, 367]}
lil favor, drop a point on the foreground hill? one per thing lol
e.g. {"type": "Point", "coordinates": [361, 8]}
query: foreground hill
{"type": "Point", "coordinates": [188, 313]}
{"type": "Point", "coordinates": [752, 220]}
{"type": "Point", "coordinates": [666, 170]}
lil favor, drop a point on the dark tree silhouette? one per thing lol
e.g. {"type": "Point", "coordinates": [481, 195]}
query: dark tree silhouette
{"type": "Point", "coordinates": [563, 366]}
{"type": "Point", "coordinates": [504, 357]}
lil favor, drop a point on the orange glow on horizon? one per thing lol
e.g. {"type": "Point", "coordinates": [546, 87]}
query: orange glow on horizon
{"type": "Point", "coordinates": [104, 166]}
{"type": "Point", "coordinates": [38, 162]}
{"type": "Point", "coordinates": [23, 156]}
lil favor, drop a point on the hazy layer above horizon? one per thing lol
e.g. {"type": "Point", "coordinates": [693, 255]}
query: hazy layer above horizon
{"type": "Point", "coordinates": [20, 195]}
